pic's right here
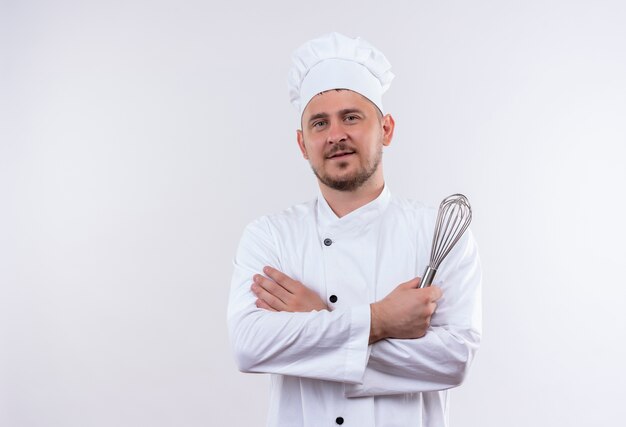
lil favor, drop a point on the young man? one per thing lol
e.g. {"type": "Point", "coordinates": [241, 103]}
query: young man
{"type": "Point", "coordinates": [325, 294]}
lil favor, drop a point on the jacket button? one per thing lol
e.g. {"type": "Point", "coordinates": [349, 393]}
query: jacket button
{"type": "Point", "coordinates": [328, 242]}
{"type": "Point", "coordinates": [339, 420]}
{"type": "Point", "coordinates": [333, 298]}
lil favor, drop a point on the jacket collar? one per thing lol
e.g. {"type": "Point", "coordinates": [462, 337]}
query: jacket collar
{"type": "Point", "coordinates": [328, 220]}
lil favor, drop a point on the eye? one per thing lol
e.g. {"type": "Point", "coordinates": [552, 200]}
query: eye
{"type": "Point", "coordinates": [318, 124]}
{"type": "Point", "coordinates": [351, 118]}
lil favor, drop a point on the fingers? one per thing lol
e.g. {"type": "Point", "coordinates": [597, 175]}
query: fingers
{"type": "Point", "coordinates": [269, 299]}
{"type": "Point", "coordinates": [411, 284]}
{"type": "Point", "coordinates": [279, 277]}
{"type": "Point", "coordinates": [262, 304]}
{"type": "Point", "coordinates": [273, 287]}
{"type": "Point", "coordinates": [435, 293]}
{"type": "Point", "coordinates": [270, 292]}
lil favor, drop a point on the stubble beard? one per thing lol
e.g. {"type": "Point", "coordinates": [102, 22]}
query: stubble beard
{"type": "Point", "coordinates": [353, 182]}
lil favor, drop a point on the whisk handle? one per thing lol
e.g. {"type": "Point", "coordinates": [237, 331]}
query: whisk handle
{"type": "Point", "coordinates": [427, 277]}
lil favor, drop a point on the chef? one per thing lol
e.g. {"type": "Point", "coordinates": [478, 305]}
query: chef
{"type": "Point", "coordinates": [324, 295]}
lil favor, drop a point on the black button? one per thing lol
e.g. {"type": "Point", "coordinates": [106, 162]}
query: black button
{"type": "Point", "coordinates": [339, 420]}
{"type": "Point", "coordinates": [333, 298]}
{"type": "Point", "coordinates": [328, 242]}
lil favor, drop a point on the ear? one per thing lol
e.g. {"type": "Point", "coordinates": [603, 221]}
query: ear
{"type": "Point", "coordinates": [388, 126]}
{"type": "Point", "coordinates": [300, 138]}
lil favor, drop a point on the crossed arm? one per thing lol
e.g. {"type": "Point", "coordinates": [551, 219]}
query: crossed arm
{"type": "Point", "coordinates": [278, 325]}
{"type": "Point", "coordinates": [405, 313]}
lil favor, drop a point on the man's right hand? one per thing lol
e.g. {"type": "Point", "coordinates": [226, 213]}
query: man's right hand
{"type": "Point", "coordinates": [404, 313]}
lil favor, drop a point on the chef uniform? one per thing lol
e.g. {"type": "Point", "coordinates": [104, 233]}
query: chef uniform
{"type": "Point", "coordinates": [324, 373]}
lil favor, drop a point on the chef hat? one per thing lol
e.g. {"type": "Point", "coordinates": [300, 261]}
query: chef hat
{"type": "Point", "coordinates": [334, 61]}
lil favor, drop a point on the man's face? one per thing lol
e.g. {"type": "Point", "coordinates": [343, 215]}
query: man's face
{"type": "Point", "coordinates": [342, 136]}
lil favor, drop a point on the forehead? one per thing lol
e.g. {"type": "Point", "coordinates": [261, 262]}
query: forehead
{"type": "Point", "coordinates": [334, 100]}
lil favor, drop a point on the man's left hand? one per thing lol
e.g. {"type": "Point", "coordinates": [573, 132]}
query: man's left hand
{"type": "Point", "coordinates": [280, 292]}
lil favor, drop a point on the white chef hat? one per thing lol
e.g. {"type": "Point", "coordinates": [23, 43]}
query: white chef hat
{"type": "Point", "coordinates": [334, 61]}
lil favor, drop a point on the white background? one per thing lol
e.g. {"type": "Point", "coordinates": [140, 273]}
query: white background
{"type": "Point", "coordinates": [138, 138]}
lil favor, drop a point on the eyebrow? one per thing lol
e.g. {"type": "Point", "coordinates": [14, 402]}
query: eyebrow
{"type": "Point", "coordinates": [350, 111]}
{"type": "Point", "coordinates": [341, 113]}
{"type": "Point", "coordinates": [318, 116]}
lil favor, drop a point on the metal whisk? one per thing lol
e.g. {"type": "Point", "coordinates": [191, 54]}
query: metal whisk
{"type": "Point", "coordinates": [453, 218]}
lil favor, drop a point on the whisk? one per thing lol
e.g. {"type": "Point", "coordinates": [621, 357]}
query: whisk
{"type": "Point", "coordinates": [453, 218]}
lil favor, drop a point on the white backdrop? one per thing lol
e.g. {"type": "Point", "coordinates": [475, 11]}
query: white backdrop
{"type": "Point", "coordinates": [138, 137]}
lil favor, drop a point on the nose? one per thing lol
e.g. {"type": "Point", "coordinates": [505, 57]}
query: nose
{"type": "Point", "coordinates": [336, 132]}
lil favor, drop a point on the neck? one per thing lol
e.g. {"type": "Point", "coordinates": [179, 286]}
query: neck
{"type": "Point", "coordinates": [344, 202]}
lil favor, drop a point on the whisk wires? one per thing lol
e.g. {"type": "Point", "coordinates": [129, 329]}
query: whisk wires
{"type": "Point", "coordinates": [455, 215]}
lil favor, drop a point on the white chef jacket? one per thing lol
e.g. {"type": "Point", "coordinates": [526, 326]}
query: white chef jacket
{"type": "Point", "coordinates": [324, 373]}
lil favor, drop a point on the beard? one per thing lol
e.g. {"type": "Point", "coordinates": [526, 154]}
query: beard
{"type": "Point", "coordinates": [353, 181]}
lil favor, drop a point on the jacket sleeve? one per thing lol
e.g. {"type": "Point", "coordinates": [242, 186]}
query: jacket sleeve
{"type": "Point", "coordinates": [320, 344]}
{"type": "Point", "coordinates": [440, 359]}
